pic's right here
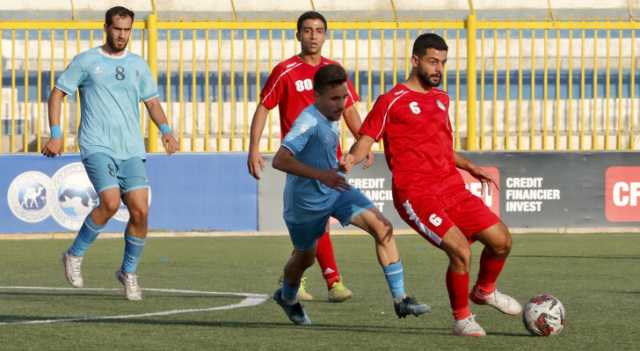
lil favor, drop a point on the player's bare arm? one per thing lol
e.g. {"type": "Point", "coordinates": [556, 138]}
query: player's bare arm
{"type": "Point", "coordinates": [284, 161]}
{"type": "Point", "coordinates": [358, 152]}
{"type": "Point", "coordinates": [53, 147]}
{"type": "Point", "coordinates": [473, 169]}
{"type": "Point", "coordinates": [354, 122]}
{"type": "Point", "coordinates": [255, 161]}
{"type": "Point", "coordinates": [159, 118]}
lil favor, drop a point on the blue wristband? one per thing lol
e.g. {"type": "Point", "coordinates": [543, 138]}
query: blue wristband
{"type": "Point", "coordinates": [165, 129]}
{"type": "Point", "coordinates": [56, 132]}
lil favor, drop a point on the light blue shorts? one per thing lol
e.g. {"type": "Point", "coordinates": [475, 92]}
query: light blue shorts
{"type": "Point", "coordinates": [106, 172]}
{"type": "Point", "coordinates": [348, 205]}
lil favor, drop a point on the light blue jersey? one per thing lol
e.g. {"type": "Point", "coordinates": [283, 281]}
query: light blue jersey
{"type": "Point", "coordinates": [111, 88]}
{"type": "Point", "coordinates": [308, 203]}
{"type": "Point", "coordinates": [313, 140]}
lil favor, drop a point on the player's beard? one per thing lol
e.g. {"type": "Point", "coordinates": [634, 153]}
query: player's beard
{"type": "Point", "coordinates": [426, 80]}
{"type": "Point", "coordinates": [113, 45]}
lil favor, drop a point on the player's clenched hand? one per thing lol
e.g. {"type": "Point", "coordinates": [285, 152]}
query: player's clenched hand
{"type": "Point", "coordinates": [255, 163]}
{"type": "Point", "coordinates": [369, 160]}
{"type": "Point", "coordinates": [335, 180]}
{"type": "Point", "coordinates": [52, 148]}
{"type": "Point", "coordinates": [483, 176]}
{"type": "Point", "coordinates": [346, 163]}
{"type": "Point", "coordinates": [170, 144]}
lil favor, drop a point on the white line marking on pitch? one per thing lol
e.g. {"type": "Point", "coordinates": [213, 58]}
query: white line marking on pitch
{"type": "Point", "coordinates": [248, 301]}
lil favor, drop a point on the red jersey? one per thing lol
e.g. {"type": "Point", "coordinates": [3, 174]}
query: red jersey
{"type": "Point", "coordinates": [417, 138]}
{"type": "Point", "coordinates": [290, 87]}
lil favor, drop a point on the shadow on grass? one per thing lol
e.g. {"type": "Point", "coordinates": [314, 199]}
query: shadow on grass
{"type": "Point", "coordinates": [241, 325]}
{"type": "Point", "coordinates": [622, 292]}
{"type": "Point", "coordinates": [523, 334]}
{"type": "Point", "coordinates": [614, 257]}
{"type": "Point", "coordinates": [318, 327]}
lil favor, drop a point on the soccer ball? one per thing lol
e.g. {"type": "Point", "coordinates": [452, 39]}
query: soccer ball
{"type": "Point", "coordinates": [544, 315]}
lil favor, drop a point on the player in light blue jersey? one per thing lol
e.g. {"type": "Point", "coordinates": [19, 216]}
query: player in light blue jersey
{"type": "Point", "coordinates": [112, 82]}
{"type": "Point", "coordinates": [316, 190]}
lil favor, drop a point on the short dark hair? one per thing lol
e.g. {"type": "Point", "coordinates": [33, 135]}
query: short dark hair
{"type": "Point", "coordinates": [428, 41]}
{"type": "Point", "coordinates": [328, 76]}
{"type": "Point", "coordinates": [117, 11]}
{"type": "Point", "coordinates": [311, 15]}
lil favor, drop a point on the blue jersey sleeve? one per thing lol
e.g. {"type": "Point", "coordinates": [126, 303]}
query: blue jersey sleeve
{"type": "Point", "coordinates": [298, 137]}
{"type": "Point", "coordinates": [147, 85]}
{"type": "Point", "coordinates": [72, 77]}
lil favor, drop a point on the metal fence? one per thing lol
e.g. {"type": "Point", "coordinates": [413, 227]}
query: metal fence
{"type": "Point", "coordinates": [513, 85]}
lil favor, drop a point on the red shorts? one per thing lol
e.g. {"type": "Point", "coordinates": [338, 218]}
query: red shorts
{"type": "Point", "coordinates": [432, 216]}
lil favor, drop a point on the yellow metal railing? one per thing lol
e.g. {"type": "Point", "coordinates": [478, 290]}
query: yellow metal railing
{"type": "Point", "coordinates": [572, 120]}
{"type": "Point", "coordinates": [38, 49]}
{"type": "Point", "coordinates": [237, 55]}
{"type": "Point", "coordinates": [211, 74]}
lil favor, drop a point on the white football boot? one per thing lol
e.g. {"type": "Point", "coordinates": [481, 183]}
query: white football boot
{"type": "Point", "coordinates": [502, 302]}
{"type": "Point", "coordinates": [132, 291]}
{"type": "Point", "coordinates": [468, 327]}
{"type": "Point", "coordinates": [73, 269]}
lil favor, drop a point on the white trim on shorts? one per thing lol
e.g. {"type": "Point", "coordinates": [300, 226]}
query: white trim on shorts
{"type": "Point", "coordinates": [136, 188]}
{"type": "Point", "coordinates": [423, 228]}
{"type": "Point", "coordinates": [107, 188]}
{"type": "Point", "coordinates": [357, 213]}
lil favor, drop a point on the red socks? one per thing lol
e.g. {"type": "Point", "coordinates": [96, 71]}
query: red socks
{"type": "Point", "coordinates": [458, 283]}
{"type": "Point", "coordinates": [490, 268]}
{"type": "Point", "coordinates": [458, 289]}
{"type": "Point", "coordinates": [326, 260]}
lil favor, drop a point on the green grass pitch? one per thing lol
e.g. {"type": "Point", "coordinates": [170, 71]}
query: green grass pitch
{"type": "Point", "coordinates": [596, 276]}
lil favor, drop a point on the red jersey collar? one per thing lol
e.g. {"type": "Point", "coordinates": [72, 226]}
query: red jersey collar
{"type": "Point", "coordinates": [323, 60]}
{"type": "Point", "coordinates": [432, 91]}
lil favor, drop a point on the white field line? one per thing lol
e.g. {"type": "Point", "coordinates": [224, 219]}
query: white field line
{"type": "Point", "coordinates": [249, 300]}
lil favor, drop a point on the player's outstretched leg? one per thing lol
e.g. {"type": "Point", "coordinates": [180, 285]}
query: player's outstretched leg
{"type": "Point", "coordinates": [286, 294]}
{"type": "Point", "coordinates": [374, 222]}
{"type": "Point", "coordinates": [337, 291]}
{"type": "Point", "coordinates": [455, 244]}
{"type": "Point", "coordinates": [93, 225]}
{"type": "Point", "coordinates": [135, 233]}
{"type": "Point", "coordinates": [497, 241]}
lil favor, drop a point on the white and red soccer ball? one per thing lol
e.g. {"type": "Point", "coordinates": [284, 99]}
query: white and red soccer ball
{"type": "Point", "coordinates": [544, 315]}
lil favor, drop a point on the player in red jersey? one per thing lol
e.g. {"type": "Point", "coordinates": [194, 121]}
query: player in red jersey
{"type": "Point", "coordinates": [429, 192]}
{"type": "Point", "coordinates": [290, 87]}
